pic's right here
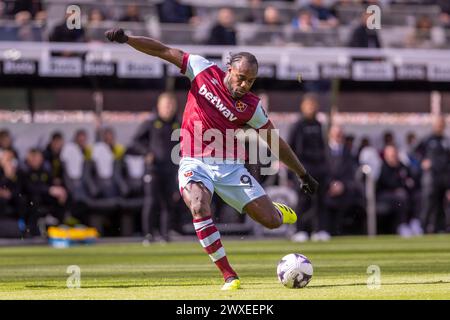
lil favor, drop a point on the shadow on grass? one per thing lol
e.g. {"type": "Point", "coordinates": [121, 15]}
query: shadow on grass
{"type": "Point", "coordinates": [382, 284]}
{"type": "Point", "coordinates": [125, 286]}
{"type": "Point", "coordinates": [116, 286]}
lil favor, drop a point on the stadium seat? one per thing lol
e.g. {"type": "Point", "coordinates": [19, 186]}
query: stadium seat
{"type": "Point", "coordinates": [254, 34]}
{"type": "Point", "coordinates": [178, 33]}
{"type": "Point", "coordinates": [323, 38]}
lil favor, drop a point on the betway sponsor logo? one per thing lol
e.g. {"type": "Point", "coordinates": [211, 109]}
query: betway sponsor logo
{"type": "Point", "coordinates": [217, 103]}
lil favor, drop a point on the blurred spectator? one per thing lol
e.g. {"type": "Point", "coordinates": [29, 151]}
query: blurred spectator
{"type": "Point", "coordinates": [425, 35]}
{"type": "Point", "coordinates": [81, 140]}
{"type": "Point", "coordinates": [44, 199]}
{"type": "Point", "coordinates": [256, 14]}
{"type": "Point", "coordinates": [342, 191]}
{"type": "Point", "coordinates": [26, 31]}
{"type": "Point", "coordinates": [323, 14]}
{"type": "Point", "coordinates": [9, 186]}
{"type": "Point", "coordinates": [305, 21]}
{"type": "Point", "coordinates": [272, 16]}
{"type": "Point", "coordinates": [96, 17]}
{"type": "Point", "coordinates": [153, 139]}
{"type": "Point", "coordinates": [445, 12]}
{"type": "Point", "coordinates": [370, 157]}
{"type": "Point", "coordinates": [349, 141]}
{"type": "Point", "coordinates": [31, 6]}
{"type": "Point", "coordinates": [172, 11]}
{"type": "Point", "coordinates": [363, 37]}
{"type": "Point", "coordinates": [108, 136]}
{"type": "Point", "coordinates": [224, 32]}
{"type": "Point", "coordinates": [6, 142]}
{"type": "Point", "coordinates": [131, 14]}
{"type": "Point", "coordinates": [365, 142]}
{"type": "Point", "coordinates": [388, 138]}
{"type": "Point", "coordinates": [41, 18]}
{"type": "Point", "coordinates": [393, 190]}
{"type": "Point", "coordinates": [435, 155]}
{"type": "Point", "coordinates": [410, 158]}
{"type": "Point", "coordinates": [62, 34]}
{"type": "Point", "coordinates": [307, 141]}
{"type": "Point", "coordinates": [52, 157]}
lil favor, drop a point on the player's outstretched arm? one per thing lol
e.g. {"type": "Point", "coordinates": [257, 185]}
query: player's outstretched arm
{"type": "Point", "coordinates": [286, 155]}
{"type": "Point", "coordinates": [147, 45]}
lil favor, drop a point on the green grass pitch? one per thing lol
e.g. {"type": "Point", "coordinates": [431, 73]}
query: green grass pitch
{"type": "Point", "coordinates": [417, 268]}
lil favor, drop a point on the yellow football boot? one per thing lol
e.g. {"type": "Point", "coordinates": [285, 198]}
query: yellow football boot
{"type": "Point", "coordinates": [289, 215]}
{"type": "Point", "coordinates": [232, 284]}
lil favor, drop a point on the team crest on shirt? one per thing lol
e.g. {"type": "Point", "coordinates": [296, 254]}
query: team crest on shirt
{"type": "Point", "coordinates": [240, 106]}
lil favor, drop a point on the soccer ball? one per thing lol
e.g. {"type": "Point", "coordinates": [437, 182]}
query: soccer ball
{"type": "Point", "coordinates": [294, 270]}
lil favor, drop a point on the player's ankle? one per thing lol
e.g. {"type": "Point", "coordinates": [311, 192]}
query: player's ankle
{"type": "Point", "coordinates": [231, 278]}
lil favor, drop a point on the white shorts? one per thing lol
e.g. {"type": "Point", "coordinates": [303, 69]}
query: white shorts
{"type": "Point", "coordinates": [231, 181]}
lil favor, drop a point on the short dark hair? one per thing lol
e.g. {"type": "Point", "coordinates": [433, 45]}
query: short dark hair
{"type": "Point", "coordinates": [237, 57]}
{"type": "Point", "coordinates": [56, 135]}
{"type": "Point", "coordinates": [34, 150]}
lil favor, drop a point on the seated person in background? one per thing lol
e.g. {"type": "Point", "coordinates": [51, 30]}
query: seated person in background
{"type": "Point", "coordinates": [363, 37]}
{"type": "Point", "coordinates": [272, 17]}
{"type": "Point", "coordinates": [33, 7]}
{"type": "Point", "coordinates": [172, 11]}
{"type": "Point", "coordinates": [96, 17]}
{"type": "Point", "coordinates": [63, 34]}
{"type": "Point", "coordinates": [108, 136]}
{"type": "Point", "coordinates": [26, 31]}
{"type": "Point", "coordinates": [81, 140]}
{"type": "Point", "coordinates": [305, 21]}
{"type": "Point", "coordinates": [323, 14]}
{"type": "Point", "coordinates": [9, 187]}
{"type": "Point", "coordinates": [52, 157]}
{"type": "Point", "coordinates": [444, 18]}
{"type": "Point", "coordinates": [425, 35]}
{"type": "Point", "coordinates": [342, 193]}
{"type": "Point", "coordinates": [255, 15]}
{"type": "Point", "coordinates": [131, 14]}
{"type": "Point", "coordinates": [393, 190]}
{"type": "Point", "coordinates": [6, 142]}
{"type": "Point", "coordinates": [224, 32]}
{"type": "Point", "coordinates": [44, 199]}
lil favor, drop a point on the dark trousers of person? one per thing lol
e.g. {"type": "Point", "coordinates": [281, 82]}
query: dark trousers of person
{"type": "Point", "coordinates": [159, 198]}
{"type": "Point", "coordinates": [397, 205]}
{"type": "Point", "coordinates": [339, 207]}
{"type": "Point", "coordinates": [433, 215]}
{"type": "Point", "coordinates": [312, 210]}
{"type": "Point", "coordinates": [39, 207]}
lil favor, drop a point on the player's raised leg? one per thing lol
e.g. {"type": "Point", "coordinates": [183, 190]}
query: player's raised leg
{"type": "Point", "coordinates": [270, 214]}
{"type": "Point", "coordinates": [198, 199]}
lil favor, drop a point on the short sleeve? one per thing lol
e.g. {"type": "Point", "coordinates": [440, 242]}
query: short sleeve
{"type": "Point", "coordinates": [260, 117]}
{"type": "Point", "coordinates": [194, 64]}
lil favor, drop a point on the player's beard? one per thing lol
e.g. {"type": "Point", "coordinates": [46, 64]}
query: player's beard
{"type": "Point", "coordinates": [232, 92]}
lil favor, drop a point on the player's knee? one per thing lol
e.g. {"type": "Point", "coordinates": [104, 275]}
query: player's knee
{"type": "Point", "coordinates": [274, 223]}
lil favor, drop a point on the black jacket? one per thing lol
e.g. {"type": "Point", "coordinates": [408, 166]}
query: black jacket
{"type": "Point", "coordinates": [363, 37]}
{"type": "Point", "coordinates": [222, 36]}
{"type": "Point", "coordinates": [307, 142]}
{"type": "Point", "coordinates": [437, 149]}
{"type": "Point", "coordinates": [154, 136]}
{"type": "Point", "coordinates": [392, 178]}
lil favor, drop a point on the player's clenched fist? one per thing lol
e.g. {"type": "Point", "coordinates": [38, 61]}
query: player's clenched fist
{"type": "Point", "coordinates": [308, 184]}
{"type": "Point", "coordinates": [117, 35]}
